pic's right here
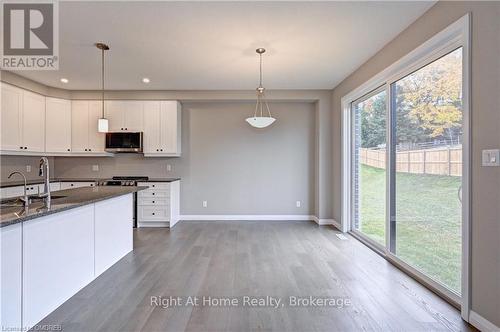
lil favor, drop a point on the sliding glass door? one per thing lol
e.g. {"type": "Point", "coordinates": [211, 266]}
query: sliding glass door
{"type": "Point", "coordinates": [426, 169]}
{"type": "Point", "coordinates": [423, 109]}
{"type": "Point", "coordinates": [368, 165]}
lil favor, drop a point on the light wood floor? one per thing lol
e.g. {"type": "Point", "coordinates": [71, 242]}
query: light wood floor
{"type": "Point", "coordinates": [235, 259]}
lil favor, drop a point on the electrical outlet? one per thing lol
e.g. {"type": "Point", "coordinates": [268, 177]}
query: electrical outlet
{"type": "Point", "coordinates": [298, 203]}
{"type": "Point", "coordinates": [28, 168]}
{"type": "Point", "coordinates": [205, 204]}
{"type": "Point", "coordinates": [169, 168]}
{"type": "Point", "coordinates": [95, 168]}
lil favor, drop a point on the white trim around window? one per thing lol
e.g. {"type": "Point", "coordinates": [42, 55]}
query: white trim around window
{"type": "Point", "coordinates": [454, 36]}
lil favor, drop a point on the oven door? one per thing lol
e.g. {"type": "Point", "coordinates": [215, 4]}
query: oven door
{"type": "Point", "coordinates": [128, 142]}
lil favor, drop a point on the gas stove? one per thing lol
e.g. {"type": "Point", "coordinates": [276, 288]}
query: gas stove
{"type": "Point", "coordinates": [123, 181]}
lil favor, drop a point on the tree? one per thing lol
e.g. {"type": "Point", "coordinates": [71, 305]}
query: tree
{"type": "Point", "coordinates": [432, 98]}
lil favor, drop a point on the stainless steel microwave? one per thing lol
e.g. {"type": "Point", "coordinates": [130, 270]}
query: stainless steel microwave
{"type": "Point", "coordinates": [124, 142]}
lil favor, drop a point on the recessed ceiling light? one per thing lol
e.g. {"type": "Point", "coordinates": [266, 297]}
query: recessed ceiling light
{"type": "Point", "coordinates": [64, 80]}
{"type": "Point", "coordinates": [145, 80]}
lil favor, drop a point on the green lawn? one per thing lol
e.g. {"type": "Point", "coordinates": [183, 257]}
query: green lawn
{"type": "Point", "coordinates": [428, 215]}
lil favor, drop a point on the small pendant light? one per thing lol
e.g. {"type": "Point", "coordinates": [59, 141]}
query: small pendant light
{"type": "Point", "coordinates": [102, 124]}
{"type": "Point", "coordinates": [259, 120]}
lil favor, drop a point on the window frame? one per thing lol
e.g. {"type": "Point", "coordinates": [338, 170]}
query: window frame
{"type": "Point", "coordinates": [454, 36]}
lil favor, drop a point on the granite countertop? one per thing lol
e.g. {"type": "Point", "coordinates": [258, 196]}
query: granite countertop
{"type": "Point", "coordinates": [33, 182]}
{"type": "Point", "coordinates": [40, 181]}
{"type": "Point", "coordinates": [73, 198]}
{"type": "Point", "coordinates": [161, 180]}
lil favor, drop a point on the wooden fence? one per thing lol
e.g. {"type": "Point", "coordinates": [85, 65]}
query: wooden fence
{"type": "Point", "coordinates": [440, 161]}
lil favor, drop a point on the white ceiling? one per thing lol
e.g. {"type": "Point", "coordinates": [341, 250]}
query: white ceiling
{"type": "Point", "coordinates": [211, 45]}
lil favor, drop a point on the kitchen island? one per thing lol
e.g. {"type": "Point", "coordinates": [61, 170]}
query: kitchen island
{"type": "Point", "coordinates": [48, 255]}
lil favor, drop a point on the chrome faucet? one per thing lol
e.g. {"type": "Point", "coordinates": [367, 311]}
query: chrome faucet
{"type": "Point", "coordinates": [25, 197]}
{"type": "Point", "coordinates": [44, 171]}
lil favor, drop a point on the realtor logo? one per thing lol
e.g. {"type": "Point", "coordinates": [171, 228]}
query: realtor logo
{"type": "Point", "coordinates": [30, 36]}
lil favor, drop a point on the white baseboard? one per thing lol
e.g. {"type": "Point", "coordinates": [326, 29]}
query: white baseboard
{"type": "Point", "coordinates": [482, 323]}
{"type": "Point", "coordinates": [323, 222]}
{"type": "Point", "coordinates": [153, 224]}
{"type": "Point", "coordinates": [246, 217]}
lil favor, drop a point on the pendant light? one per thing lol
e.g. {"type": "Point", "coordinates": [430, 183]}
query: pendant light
{"type": "Point", "coordinates": [259, 120]}
{"type": "Point", "coordinates": [102, 124]}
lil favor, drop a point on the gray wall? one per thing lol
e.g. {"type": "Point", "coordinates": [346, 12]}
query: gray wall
{"type": "Point", "coordinates": [321, 99]}
{"type": "Point", "coordinates": [10, 164]}
{"type": "Point", "coordinates": [236, 168]}
{"type": "Point", "coordinates": [485, 132]}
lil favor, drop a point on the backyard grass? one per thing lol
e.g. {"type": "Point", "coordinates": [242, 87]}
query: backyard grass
{"type": "Point", "coordinates": [428, 226]}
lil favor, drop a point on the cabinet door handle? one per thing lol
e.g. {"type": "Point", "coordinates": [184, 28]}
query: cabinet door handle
{"type": "Point", "coordinates": [153, 213]}
{"type": "Point", "coordinates": [126, 128]}
{"type": "Point", "coordinates": [90, 149]}
{"type": "Point", "coordinates": [161, 149]}
{"type": "Point", "coordinates": [153, 186]}
{"type": "Point", "coordinates": [85, 149]}
{"type": "Point", "coordinates": [153, 202]}
{"type": "Point", "coordinates": [22, 148]}
{"type": "Point", "coordinates": [69, 149]}
{"type": "Point", "coordinates": [153, 194]}
{"type": "Point", "coordinates": [25, 147]}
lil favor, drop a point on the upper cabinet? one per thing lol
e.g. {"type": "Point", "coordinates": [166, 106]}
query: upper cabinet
{"type": "Point", "coordinates": [57, 125]}
{"type": "Point", "coordinates": [11, 117]}
{"type": "Point", "coordinates": [162, 129]}
{"type": "Point", "coordinates": [124, 115]}
{"type": "Point", "coordinates": [32, 124]}
{"type": "Point", "coordinates": [84, 135]}
{"type": "Point", "coordinates": [22, 120]}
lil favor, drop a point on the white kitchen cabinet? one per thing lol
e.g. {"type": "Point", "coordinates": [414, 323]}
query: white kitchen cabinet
{"type": "Point", "coordinates": [33, 127]}
{"type": "Point", "coordinates": [11, 277]}
{"type": "Point", "coordinates": [23, 120]}
{"type": "Point", "coordinates": [9, 192]}
{"type": "Point", "coordinates": [57, 125]}
{"type": "Point", "coordinates": [10, 117]}
{"type": "Point", "coordinates": [170, 131]}
{"type": "Point", "coordinates": [159, 205]}
{"type": "Point", "coordinates": [96, 139]}
{"type": "Point", "coordinates": [113, 231]}
{"type": "Point", "coordinates": [58, 260]}
{"type": "Point", "coordinates": [85, 138]}
{"type": "Point", "coordinates": [124, 115]}
{"type": "Point", "coordinates": [72, 185]}
{"type": "Point", "coordinates": [54, 186]}
{"type": "Point", "coordinates": [162, 128]}
{"type": "Point", "coordinates": [151, 136]}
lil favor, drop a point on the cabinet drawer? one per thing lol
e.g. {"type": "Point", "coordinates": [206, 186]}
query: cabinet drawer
{"type": "Point", "coordinates": [155, 185]}
{"type": "Point", "coordinates": [154, 193]}
{"type": "Point", "coordinates": [155, 201]}
{"type": "Point", "coordinates": [153, 213]}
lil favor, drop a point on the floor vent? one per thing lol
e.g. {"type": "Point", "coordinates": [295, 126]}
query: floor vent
{"type": "Point", "coordinates": [341, 236]}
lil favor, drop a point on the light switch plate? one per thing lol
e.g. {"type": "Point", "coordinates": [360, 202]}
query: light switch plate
{"type": "Point", "coordinates": [169, 167]}
{"type": "Point", "coordinates": [491, 157]}
{"type": "Point", "coordinates": [28, 168]}
{"type": "Point", "coordinates": [95, 168]}
{"type": "Point", "coordinates": [205, 204]}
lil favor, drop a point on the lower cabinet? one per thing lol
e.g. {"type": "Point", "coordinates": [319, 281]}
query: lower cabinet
{"type": "Point", "coordinates": [58, 260]}
{"type": "Point", "coordinates": [11, 276]}
{"type": "Point", "coordinates": [47, 260]}
{"type": "Point", "coordinates": [72, 185]}
{"type": "Point", "coordinates": [158, 206]}
{"type": "Point", "coordinates": [113, 231]}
